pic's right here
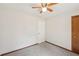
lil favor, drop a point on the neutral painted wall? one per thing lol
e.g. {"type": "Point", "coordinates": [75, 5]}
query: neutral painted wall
{"type": "Point", "coordinates": [41, 30]}
{"type": "Point", "coordinates": [19, 29]}
{"type": "Point", "coordinates": [58, 29]}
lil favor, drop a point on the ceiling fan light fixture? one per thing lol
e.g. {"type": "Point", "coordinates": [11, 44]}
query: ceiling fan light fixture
{"type": "Point", "coordinates": [44, 9]}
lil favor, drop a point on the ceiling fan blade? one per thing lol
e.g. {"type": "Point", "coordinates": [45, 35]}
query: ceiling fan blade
{"type": "Point", "coordinates": [36, 7]}
{"type": "Point", "coordinates": [50, 10]}
{"type": "Point", "coordinates": [43, 4]}
{"type": "Point", "coordinates": [51, 4]}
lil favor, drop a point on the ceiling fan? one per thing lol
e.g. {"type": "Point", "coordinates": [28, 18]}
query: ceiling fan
{"type": "Point", "coordinates": [45, 7]}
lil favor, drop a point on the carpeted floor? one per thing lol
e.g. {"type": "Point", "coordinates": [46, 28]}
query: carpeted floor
{"type": "Point", "coordinates": [42, 49]}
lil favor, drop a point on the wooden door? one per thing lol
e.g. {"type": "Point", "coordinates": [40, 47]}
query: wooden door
{"type": "Point", "coordinates": [75, 34]}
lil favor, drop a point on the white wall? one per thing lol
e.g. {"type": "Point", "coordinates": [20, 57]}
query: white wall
{"type": "Point", "coordinates": [19, 29]}
{"type": "Point", "coordinates": [58, 29]}
{"type": "Point", "coordinates": [41, 30]}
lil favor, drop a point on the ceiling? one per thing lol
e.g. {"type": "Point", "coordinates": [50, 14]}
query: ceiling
{"type": "Point", "coordinates": [27, 8]}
